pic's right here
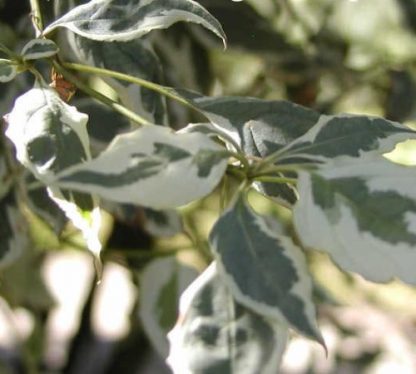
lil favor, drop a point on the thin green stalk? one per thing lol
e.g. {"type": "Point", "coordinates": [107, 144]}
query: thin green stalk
{"type": "Point", "coordinates": [104, 99]}
{"type": "Point", "coordinates": [37, 15]}
{"type": "Point", "coordinates": [165, 91]}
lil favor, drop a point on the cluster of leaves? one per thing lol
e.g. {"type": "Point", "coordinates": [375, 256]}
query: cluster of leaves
{"type": "Point", "coordinates": [347, 199]}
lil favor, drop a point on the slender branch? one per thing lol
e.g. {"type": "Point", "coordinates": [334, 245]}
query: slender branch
{"type": "Point", "coordinates": [37, 15]}
{"type": "Point", "coordinates": [104, 99]}
{"type": "Point", "coordinates": [165, 91]}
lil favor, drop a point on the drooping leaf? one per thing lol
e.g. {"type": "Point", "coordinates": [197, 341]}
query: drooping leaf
{"type": "Point", "coordinates": [8, 70]}
{"type": "Point", "coordinates": [265, 270]}
{"type": "Point", "coordinates": [363, 214]}
{"type": "Point", "coordinates": [349, 136]}
{"type": "Point", "coordinates": [161, 284]}
{"type": "Point", "coordinates": [135, 58]}
{"type": "Point", "coordinates": [214, 334]}
{"type": "Point", "coordinates": [39, 48]}
{"type": "Point", "coordinates": [153, 167]}
{"type": "Point", "coordinates": [13, 230]}
{"type": "Point", "coordinates": [124, 20]}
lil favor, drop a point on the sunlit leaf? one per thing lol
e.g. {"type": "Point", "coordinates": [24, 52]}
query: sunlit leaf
{"type": "Point", "coordinates": [363, 214]}
{"type": "Point", "coordinates": [153, 167]}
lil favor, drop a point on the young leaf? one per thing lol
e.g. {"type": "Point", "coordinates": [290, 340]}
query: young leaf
{"type": "Point", "coordinates": [265, 270]}
{"type": "Point", "coordinates": [135, 58]}
{"type": "Point", "coordinates": [153, 167]}
{"type": "Point", "coordinates": [124, 20]}
{"type": "Point", "coordinates": [348, 135]}
{"type": "Point", "coordinates": [13, 232]}
{"type": "Point", "coordinates": [8, 70]}
{"type": "Point", "coordinates": [214, 334]}
{"type": "Point", "coordinates": [363, 214]}
{"type": "Point", "coordinates": [39, 48]}
{"type": "Point", "coordinates": [161, 284]}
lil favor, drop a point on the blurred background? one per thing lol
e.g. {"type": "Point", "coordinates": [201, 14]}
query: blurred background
{"type": "Point", "coordinates": [356, 56]}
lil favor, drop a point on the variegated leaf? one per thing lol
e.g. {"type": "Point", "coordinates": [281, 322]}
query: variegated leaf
{"type": "Point", "coordinates": [135, 58]}
{"type": "Point", "coordinates": [214, 334]}
{"type": "Point", "coordinates": [153, 167]}
{"type": "Point", "coordinates": [124, 20]}
{"type": "Point", "coordinates": [265, 270]}
{"type": "Point", "coordinates": [13, 233]}
{"type": "Point", "coordinates": [8, 70]}
{"type": "Point", "coordinates": [349, 136]}
{"type": "Point", "coordinates": [39, 48]}
{"type": "Point", "coordinates": [161, 284]}
{"type": "Point", "coordinates": [363, 214]}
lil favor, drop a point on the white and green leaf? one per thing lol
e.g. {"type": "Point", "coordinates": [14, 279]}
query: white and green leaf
{"type": "Point", "coordinates": [43, 129]}
{"type": "Point", "coordinates": [8, 70]}
{"type": "Point", "coordinates": [153, 167]}
{"type": "Point", "coordinates": [161, 284]}
{"type": "Point", "coordinates": [39, 48]}
{"type": "Point", "coordinates": [14, 237]}
{"type": "Point", "coordinates": [363, 214]}
{"type": "Point", "coordinates": [264, 270]}
{"type": "Point", "coordinates": [347, 136]}
{"type": "Point", "coordinates": [214, 334]}
{"type": "Point", "coordinates": [124, 20]}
